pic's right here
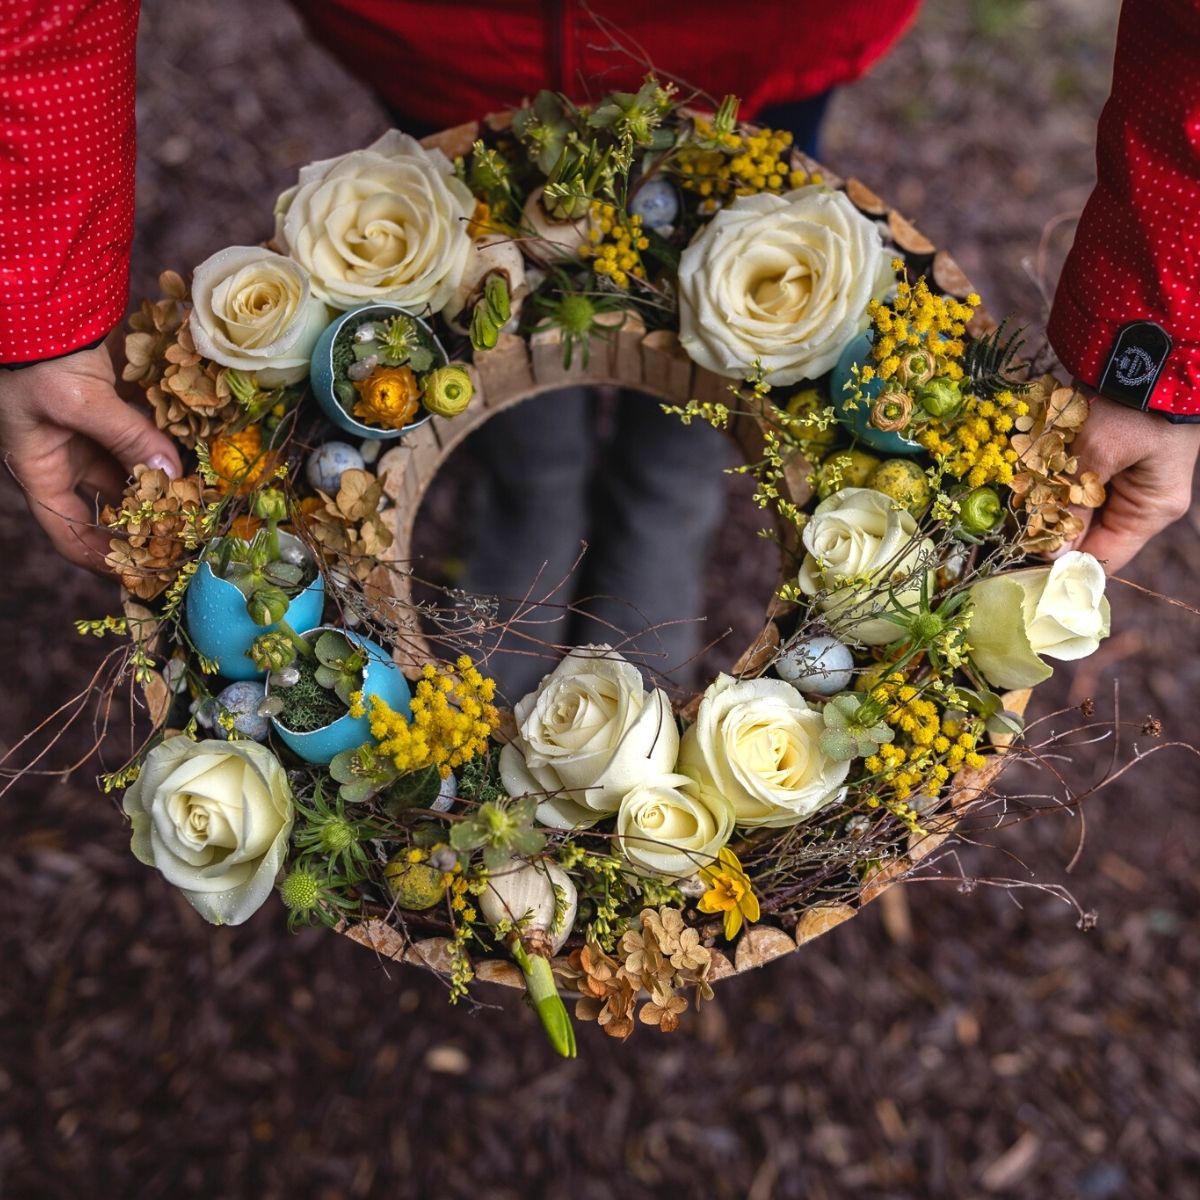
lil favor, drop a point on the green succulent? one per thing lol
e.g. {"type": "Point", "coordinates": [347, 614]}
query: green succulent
{"type": "Point", "coordinates": [362, 773]}
{"type": "Point", "coordinates": [340, 666]}
{"type": "Point", "coordinates": [501, 830]}
{"type": "Point", "coordinates": [853, 727]}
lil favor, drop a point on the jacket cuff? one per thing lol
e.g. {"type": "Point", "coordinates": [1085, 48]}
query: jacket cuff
{"type": "Point", "coordinates": [1137, 362]}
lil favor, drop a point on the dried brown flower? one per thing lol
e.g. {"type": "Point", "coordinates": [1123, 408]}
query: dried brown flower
{"type": "Point", "coordinates": [160, 518]}
{"type": "Point", "coordinates": [1045, 485]}
{"type": "Point", "coordinates": [350, 526]}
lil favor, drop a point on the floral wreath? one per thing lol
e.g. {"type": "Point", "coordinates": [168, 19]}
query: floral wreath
{"type": "Point", "coordinates": [315, 733]}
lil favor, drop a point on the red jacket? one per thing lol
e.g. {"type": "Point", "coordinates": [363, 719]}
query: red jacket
{"type": "Point", "coordinates": [67, 145]}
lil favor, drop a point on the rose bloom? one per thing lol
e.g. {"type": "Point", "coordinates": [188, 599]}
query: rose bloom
{"type": "Point", "coordinates": [388, 223]}
{"type": "Point", "coordinates": [588, 734]}
{"type": "Point", "coordinates": [254, 310]}
{"type": "Point", "coordinates": [671, 826]}
{"type": "Point", "coordinates": [862, 537]}
{"type": "Point", "coordinates": [1058, 611]}
{"type": "Point", "coordinates": [783, 280]}
{"type": "Point", "coordinates": [757, 743]}
{"type": "Point", "coordinates": [214, 817]}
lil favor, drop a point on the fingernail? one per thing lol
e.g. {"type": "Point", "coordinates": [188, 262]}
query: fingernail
{"type": "Point", "coordinates": [160, 462]}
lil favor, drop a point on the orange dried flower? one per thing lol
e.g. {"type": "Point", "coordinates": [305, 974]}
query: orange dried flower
{"type": "Point", "coordinates": [240, 461]}
{"type": "Point", "coordinates": [388, 397]}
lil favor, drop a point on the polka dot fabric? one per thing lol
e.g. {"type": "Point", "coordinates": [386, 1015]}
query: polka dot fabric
{"type": "Point", "coordinates": [1137, 249]}
{"type": "Point", "coordinates": [67, 85]}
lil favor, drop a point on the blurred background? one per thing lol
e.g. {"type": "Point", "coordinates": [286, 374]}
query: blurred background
{"type": "Point", "coordinates": [974, 1043]}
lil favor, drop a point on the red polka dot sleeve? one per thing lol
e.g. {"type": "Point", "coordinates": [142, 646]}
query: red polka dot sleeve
{"type": "Point", "coordinates": [1136, 255]}
{"type": "Point", "coordinates": [67, 83]}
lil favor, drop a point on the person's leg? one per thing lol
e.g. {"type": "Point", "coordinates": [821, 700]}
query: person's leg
{"type": "Point", "coordinates": [528, 526]}
{"type": "Point", "coordinates": [659, 500]}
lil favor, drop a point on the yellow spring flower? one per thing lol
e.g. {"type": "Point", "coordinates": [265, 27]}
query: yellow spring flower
{"type": "Point", "coordinates": [389, 397]}
{"type": "Point", "coordinates": [729, 892]}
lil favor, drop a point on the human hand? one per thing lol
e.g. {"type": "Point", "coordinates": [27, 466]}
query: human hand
{"type": "Point", "coordinates": [1146, 464]}
{"type": "Point", "coordinates": [71, 442]}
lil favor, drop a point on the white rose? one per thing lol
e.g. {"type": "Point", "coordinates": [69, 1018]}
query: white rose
{"type": "Point", "coordinates": [588, 734]}
{"type": "Point", "coordinates": [254, 310]}
{"type": "Point", "coordinates": [860, 541]}
{"type": "Point", "coordinates": [757, 743]}
{"type": "Point", "coordinates": [214, 817]}
{"type": "Point", "coordinates": [671, 826]}
{"type": "Point", "coordinates": [1058, 611]}
{"type": "Point", "coordinates": [783, 280]}
{"type": "Point", "coordinates": [388, 223]}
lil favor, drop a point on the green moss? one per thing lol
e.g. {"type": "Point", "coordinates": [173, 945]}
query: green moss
{"type": "Point", "coordinates": [306, 704]}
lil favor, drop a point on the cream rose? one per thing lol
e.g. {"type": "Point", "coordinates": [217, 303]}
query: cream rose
{"type": "Point", "coordinates": [757, 743]}
{"type": "Point", "coordinates": [1058, 611]}
{"type": "Point", "coordinates": [214, 818]}
{"type": "Point", "coordinates": [860, 541]}
{"type": "Point", "coordinates": [385, 223]}
{"type": "Point", "coordinates": [588, 734]}
{"type": "Point", "coordinates": [782, 280]}
{"type": "Point", "coordinates": [254, 310]}
{"type": "Point", "coordinates": [672, 827]}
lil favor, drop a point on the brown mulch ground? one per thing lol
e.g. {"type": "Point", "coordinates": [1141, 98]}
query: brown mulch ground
{"type": "Point", "coordinates": [988, 1047]}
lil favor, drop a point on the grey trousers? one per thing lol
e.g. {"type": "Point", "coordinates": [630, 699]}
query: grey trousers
{"type": "Point", "coordinates": [593, 522]}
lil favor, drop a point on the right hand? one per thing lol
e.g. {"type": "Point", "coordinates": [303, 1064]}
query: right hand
{"type": "Point", "coordinates": [72, 443]}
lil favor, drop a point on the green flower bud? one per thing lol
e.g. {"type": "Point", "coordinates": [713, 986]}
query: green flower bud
{"type": "Point", "coordinates": [270, 505]}
{"type": "Point", "coordinates": [415, 886]}
{"type": "Point", "coordinates": [447, 391]}
{"type": "Point", "coordinates": [300, 891]}
{"type": "Point", "coordinates": [981, 511]}
{"type": "Point", "coordinates": [267, 605]}
{"type": "Point", "coordinates": [272, 651]}
{"type": "Point", "coordinates": [940, 397]}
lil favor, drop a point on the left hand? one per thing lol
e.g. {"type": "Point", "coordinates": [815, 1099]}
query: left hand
{"type": "Point", "coordinates": [1146, 464]}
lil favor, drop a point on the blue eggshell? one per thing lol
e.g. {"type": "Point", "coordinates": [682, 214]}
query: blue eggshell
{"type": "Point", "coordinates": [382, 678]}
{"type": "Point", "coordinates": [321, 374]}
{"type": "Point", "coordinates": [858, 419]}
{"type": "Point", "coordinates": [242, 699]}
{"type": "Point", "coordinates": [657, 203]}
{"type": "Point", "coordinates": [325, 465]}
{"type": "Point", "coordinates": [820, 665]}
{"type": "Point", "coordinates": [221, 629]}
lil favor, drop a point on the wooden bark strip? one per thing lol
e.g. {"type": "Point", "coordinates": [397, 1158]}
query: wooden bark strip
{"type": "Point", "coordinates": [881, 879]}
{"type": "Point", "coordinates": [498, 970]}
{"type": "Point", "coordinates": [761, 944]}
{"type": "Point", "coordinates": [666, 367]}
{"type": "Point", "coordinates": [626, 348]}
{"type": "Point", "coordinates": [759, 653]}
{"type": "Point", "coordinates": [971, 784]}
{"type": "Point", "coordinates": [721, 967]}
{"type": "Point", "coordinates": [377, 936]}
{"type": "Point", "coordinates": [864, 199]}
{"type": "Point", "coordinates": [950, 277]}
{"type": "Point", "coordinates": [907, 236]}
{"type": "Point", "coordinates": [821, 918]}
{"type": "Point", "coordinates": [433, 953]}
{"type": "Point", "coordinates": [505, 371]}
{"type": "Point", "coordinates": [455, 141]}
{"type": "Point", "coordinates": [546, 350]}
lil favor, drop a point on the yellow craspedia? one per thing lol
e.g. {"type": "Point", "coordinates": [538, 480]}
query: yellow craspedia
{"type": "Point", "coordinates": [843, 469]}
{"type": "Point", "coordinates": [904, 481]}
{"type": "Point", "coordinates": [388, 397]}
{"type": "Point", "coordinates": [415, 886]}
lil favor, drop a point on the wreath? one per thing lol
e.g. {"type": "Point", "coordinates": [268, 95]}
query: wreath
{"type": "Point", "coordinates": [316, 733]}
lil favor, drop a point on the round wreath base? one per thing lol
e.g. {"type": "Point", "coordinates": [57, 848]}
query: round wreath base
{"type": "Point", "coordinates": [654, 364]}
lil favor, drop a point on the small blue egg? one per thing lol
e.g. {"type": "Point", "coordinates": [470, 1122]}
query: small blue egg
{"type": "Point", "coordinates": [657, 203]}
{"type": "Point", "coordinates": [821, 665]}
{"type": "Point", "coordinates": [326, 464]}
{"type": "Point", "coordinates": [858, 419]}
{"type": "Point", "coordinates": [243, 699]}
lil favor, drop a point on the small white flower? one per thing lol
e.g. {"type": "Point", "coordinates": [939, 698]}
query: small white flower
{"type": "Point", "coordinates": [1058, 611]}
